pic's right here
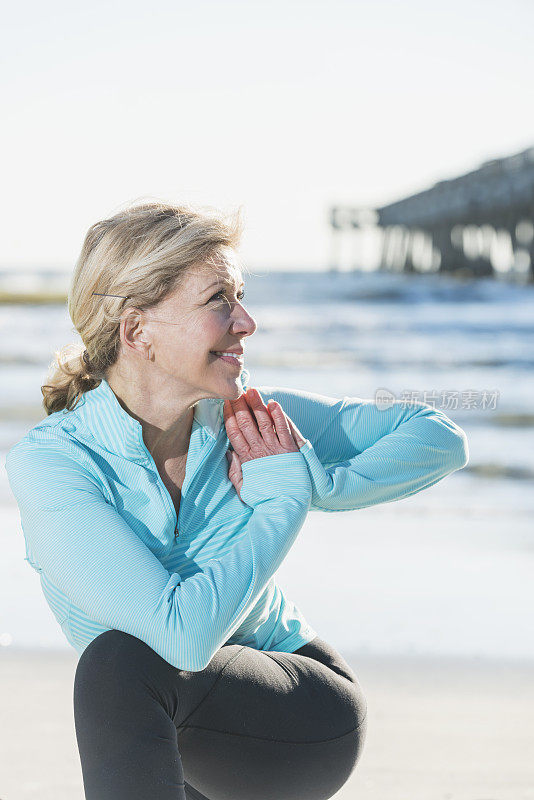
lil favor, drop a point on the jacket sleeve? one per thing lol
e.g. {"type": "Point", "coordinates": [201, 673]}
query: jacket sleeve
{"type": "Point", "coordinates": [92, 555]}
{"type": "Point", "coordinates": [359, 455]}
{"type": "Point", "coordinates": [275, 623]}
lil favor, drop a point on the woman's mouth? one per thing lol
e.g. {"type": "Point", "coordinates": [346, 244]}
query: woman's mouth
{"type": "Point", "coordinates": [231, 358]}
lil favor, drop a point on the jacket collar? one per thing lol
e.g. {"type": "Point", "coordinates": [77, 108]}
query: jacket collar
{"type": "Point", "coordinates": [106, 421]}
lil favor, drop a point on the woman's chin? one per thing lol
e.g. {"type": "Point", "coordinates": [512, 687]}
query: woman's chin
{"type": "Point", "coordinates": [232, 391]}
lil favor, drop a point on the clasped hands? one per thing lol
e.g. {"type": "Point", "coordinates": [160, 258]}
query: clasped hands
{"type": "Point", "coordinates": [256, 430]}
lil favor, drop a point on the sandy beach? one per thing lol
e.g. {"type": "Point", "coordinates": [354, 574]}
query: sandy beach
{"type": "Point", "coordinates": [439, 729]}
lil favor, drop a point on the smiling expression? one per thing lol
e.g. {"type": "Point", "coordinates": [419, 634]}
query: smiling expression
{"type": "Point", "coordinates": [205, 314]}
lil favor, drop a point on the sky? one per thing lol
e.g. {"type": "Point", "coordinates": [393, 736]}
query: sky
{"type": "Point", "coordinates": [283, 108]}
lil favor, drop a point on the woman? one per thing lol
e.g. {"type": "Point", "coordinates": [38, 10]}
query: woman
{"type": "Point", "coordinates": [197, 677]}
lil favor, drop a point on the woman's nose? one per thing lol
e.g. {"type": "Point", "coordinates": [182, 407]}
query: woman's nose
{"type": "Point", "coordinates": [247, 323]}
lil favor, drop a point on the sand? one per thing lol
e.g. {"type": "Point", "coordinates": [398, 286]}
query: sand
{"type": "Point", "coordinates": [439, 729]}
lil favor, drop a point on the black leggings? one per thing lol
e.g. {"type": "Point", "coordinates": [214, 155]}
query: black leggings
{"type": "Point", "coordinates": [252, 725]}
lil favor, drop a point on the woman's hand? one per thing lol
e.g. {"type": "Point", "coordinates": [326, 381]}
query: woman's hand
{"type": "Point", "coordinates": [256, 430]}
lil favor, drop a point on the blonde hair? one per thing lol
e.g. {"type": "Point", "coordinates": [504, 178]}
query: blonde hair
{"type": "Point", "coordinates": [140, 254]}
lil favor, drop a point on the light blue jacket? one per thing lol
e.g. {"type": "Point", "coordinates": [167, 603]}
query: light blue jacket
{"type": "Point", "coordinates": [101, 530]}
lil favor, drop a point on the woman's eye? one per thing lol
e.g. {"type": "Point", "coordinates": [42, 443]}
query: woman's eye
{"type": "Point", "coordinates": [240, 295]}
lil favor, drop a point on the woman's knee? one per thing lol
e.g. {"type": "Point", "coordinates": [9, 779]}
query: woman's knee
{"type": "Point", "coordinates": [342, 707]}
{"type": "Point", "coordinates": [350, 708]}
{"type": "Point", "coordinates": [111, 649]}
{"type": "Point", "coordinates": [359, 703]}
{"type": "Point", "coordinates": [348, 697]}
{"type": "Point", "coordinates": [108, 665]}
{"type": "Point", "coordinates": [343, 752]}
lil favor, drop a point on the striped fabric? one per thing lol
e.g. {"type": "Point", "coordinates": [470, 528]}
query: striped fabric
{"type": "Point", "coordinates": [100, 527]}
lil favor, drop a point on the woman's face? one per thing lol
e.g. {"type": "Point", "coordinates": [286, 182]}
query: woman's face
{"type": "Point", "coordinates": [204, 315]}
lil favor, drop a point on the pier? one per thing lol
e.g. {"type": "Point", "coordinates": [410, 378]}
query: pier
{"type": "Point", "coordinates": [478, 224]}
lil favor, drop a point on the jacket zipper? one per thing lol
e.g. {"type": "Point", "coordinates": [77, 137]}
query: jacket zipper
{"type": "Point", "coordinates": [209, 448]}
